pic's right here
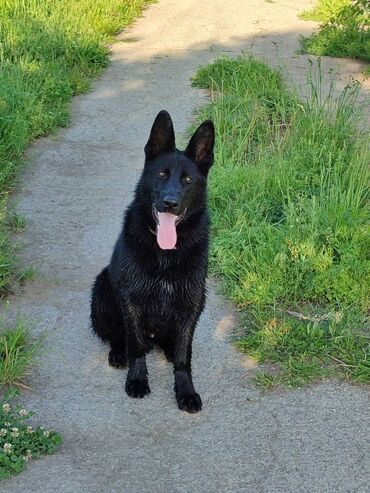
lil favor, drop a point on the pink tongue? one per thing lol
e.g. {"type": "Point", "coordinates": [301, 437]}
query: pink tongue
{"type": "Point", "coordinates": [166, 233]}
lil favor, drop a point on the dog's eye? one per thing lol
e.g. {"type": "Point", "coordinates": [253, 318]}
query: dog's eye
{"type": "Point", "coordinates": [162, 173]}
{"type": "Point", "coordinates": [188, 179]}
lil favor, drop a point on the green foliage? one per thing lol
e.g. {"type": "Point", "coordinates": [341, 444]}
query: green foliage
{"type": "Point", "coordinates": [308, 348]}
{"type": "Point", "coordinates": [19, 441]}
{"type": "Point", "coordinates": [288, 199]}
{"type": "Point", "coordinates": [324, 10]}
{"type": "Point", "coordinates": [16, 355]}
{"type": "Point", "coordinates": [344, 32]}
{"type": "Point", "coordinates": [49, 50]}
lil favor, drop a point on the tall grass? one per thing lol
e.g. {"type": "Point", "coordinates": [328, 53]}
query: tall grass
{"type": "Point", "coordinates": [290, 224]}
{"type": "Point", "coordinates": [49, 50]}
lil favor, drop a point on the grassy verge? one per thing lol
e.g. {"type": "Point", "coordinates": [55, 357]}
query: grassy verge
{"type": "Point", "coordinates": [344, 29]}
{"type": "Point", "coordinates": [49, 50]}
{"type": "Point", "coordinates": [290, 223]}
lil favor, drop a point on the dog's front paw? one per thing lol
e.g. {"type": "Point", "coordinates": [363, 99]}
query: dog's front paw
{"type": "Point", "coordinates": [117, 360]}
{"type": "Point", "coordinates": [190, 402]}
{"type": "Point", "coordinates": [137, 388]}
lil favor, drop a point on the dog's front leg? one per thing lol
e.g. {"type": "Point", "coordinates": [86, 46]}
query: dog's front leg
{"type": "Point", "coordinates": [187, 399]}
{"type": "Point", "coordinates": [137, 377]}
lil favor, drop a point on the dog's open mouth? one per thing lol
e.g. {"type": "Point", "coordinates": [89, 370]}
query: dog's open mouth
{"type": "Point", "coordinates": [166, 228]}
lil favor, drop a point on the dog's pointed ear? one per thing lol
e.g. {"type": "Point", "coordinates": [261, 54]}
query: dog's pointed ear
{"type": "Point", "coordinates": [162, 137]}
{"type": "Point", "coordinates": [200, 147]}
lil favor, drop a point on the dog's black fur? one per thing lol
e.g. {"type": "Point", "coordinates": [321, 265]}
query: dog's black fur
{"type": "Point", "coordinates": [148, 296]}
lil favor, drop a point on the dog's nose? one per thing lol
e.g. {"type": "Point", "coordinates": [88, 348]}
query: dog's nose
{"type": "Point", "coordinates": [169, 202]}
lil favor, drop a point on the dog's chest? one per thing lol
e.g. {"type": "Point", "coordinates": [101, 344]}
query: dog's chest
{"type": "Point", "coordinates": [166, 288]}
{"type": "Point", "coordinates": [166, 295]}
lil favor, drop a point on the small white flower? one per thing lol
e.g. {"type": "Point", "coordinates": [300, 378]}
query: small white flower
{"type": "Point", "coordinates": [29, 429]}
{"type": "Point", "coordinates": [7, 448]}
{"type": "Point", "coordinates": [45, 433]}
{"type": "Point", "coordinates": [6, 407]}
{"type": "Point", "coordinates": [15, 432]}
{"type": "Point", "coordinates": [25, 458]}
{"type": "Point", "coordinates": [7, 423]}
{"type": "Point", "coordinates": [23, 412]}
{"type": "Point", "coordinates": [29, 454]}
{"type": "Point", "coordinates": [3, 432]}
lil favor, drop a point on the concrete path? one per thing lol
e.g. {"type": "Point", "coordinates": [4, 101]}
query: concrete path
{"type": "Point", "coordinates": [74, 193]}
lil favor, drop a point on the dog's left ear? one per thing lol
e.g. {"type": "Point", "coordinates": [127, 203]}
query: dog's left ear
{"type": "Point", "coordinates": [200, 147]}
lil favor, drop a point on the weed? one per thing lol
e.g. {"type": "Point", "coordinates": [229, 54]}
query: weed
{"type": "Point", "coordinates": [28, 273]}
{"type": "Point", "coordinates": [19, 441]}
{"type": "Point", "coordinates": [344, 32]}
{"type": "Point", "coordinates": [290, 222]}
{"type": "Point", "coordinates": [16, 355]}
{"type": "Point", "coordinates": [16, 221]}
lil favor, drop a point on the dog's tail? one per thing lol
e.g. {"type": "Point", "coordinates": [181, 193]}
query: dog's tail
{"type": "Point", "coordinates": [105, 311]}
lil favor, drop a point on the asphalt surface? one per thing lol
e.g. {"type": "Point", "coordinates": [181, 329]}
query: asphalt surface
{"type": "Point", "coordinates": [73, 194]}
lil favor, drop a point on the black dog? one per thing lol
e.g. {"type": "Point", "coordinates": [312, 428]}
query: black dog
{"type": "Point", "coordinates": [153, 290]}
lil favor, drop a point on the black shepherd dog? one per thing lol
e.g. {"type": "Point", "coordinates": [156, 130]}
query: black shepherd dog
{"type": "Point", "coordinates": [153, 290]}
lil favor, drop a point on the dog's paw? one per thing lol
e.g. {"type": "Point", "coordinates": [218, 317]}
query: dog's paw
{"type": "Point", "coordinates": [117, 360]}
{"type": "Point", "coordinates": [192, 403]}
{"type": "Point", "coordinates": [137, 388]}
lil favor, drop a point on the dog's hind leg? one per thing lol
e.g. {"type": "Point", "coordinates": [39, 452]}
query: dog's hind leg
{"type": "Point", "coordinates": [106, 319]}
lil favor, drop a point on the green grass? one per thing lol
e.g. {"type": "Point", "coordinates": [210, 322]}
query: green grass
{"type": "Point", "coordinates": [308, 349]}
{"type": "Point", "coordinates": [19, 441]}
{"type": "Point", "coordinates": [324, 10]}
{"type": "Point", "coordinates": [17, 355]}
{"type": "Point", "coordinates": [49, 51]}
{"type": "Point", "coordinates": [290, 223]}
{"type": "Point", "coordinates": [344, 29]}
{"type": "Point", "coordinates": [16, 221]}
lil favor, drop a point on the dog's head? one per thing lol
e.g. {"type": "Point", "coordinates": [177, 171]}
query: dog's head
{"type": "Point", "coordinates": [175, 181]}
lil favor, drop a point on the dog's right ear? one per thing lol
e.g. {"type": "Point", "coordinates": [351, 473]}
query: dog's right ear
{"type": "Point", "coordinates": [162, 137]}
